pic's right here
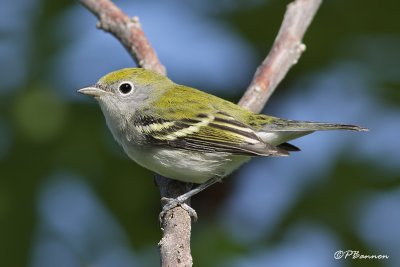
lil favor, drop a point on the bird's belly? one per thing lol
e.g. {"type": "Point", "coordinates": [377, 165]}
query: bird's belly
{"type": "Point", "coordinates": [186, 166]}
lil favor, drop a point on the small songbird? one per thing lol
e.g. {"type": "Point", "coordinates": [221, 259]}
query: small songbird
{"type": "Point", "coordinates": [186, 134]}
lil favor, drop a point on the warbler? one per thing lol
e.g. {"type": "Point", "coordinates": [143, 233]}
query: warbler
{"type": "Point", "coordinates": [186, 134]}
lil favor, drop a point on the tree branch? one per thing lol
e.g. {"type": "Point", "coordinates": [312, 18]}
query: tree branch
{"type": "Point", "coordinates": [127, 30]}
{"type": "Point", "coordinates": [176, 226]}
{"type": "Point", "coordinates": [284, 53]}
{"type": "Point", "coordinates": [287, 49]}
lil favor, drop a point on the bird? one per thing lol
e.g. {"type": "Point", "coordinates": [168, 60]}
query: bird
{"type": "Point", "coordinates": [189, 135]}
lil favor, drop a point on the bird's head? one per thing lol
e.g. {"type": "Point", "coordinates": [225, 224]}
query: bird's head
{"type": "Point", "coordinates": [124, 90]}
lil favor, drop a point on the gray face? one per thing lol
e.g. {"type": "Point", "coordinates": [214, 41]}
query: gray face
{"type": "Point", "coordinates": [119, 102]}
{"type": "Point", "coordinates": [124, 91]}
{"type": "Point", "coordinates": [124, 96]}
{"type": "Point", "coordinates": [121, 98]}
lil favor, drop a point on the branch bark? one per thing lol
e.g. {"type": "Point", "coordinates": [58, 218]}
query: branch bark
{"type": "Point", "coordinates": [176, 226]}
{"type": "Point", "coordinates": [127, 30]}
{"type": "Point", "coordinates": [285, 52]}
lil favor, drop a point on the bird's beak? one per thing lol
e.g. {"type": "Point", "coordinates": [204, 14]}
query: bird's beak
{"type": "Point", "coordinates": [92, 91]}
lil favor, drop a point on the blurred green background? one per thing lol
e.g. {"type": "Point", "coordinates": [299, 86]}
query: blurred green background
{"type": "Point", "coordinates": [70, 197]}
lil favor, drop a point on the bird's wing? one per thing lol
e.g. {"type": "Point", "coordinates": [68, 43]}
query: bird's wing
{"type": "Point", "coordinates": [216, 132]}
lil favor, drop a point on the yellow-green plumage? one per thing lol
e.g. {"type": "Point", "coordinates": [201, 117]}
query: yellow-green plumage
{"type": "Point", "coordinates": [186, 134]}
{"type": "Point", "coordinates": [181, 101]}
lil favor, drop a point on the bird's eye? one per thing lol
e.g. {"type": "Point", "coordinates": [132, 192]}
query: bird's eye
{"type": "Point", "coordinates": [125, 88]}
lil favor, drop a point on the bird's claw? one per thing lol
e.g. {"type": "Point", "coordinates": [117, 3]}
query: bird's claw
{"type": "Point", "coordinates": [171, 203]}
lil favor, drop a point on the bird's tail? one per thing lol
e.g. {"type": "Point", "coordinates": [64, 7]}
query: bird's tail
{"type": "Point", "coordinates": [292, 125]}
{"type": "Point", "coordinates": [279, 131]}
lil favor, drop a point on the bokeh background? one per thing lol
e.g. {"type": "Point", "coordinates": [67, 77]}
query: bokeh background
{"type": "Point", "coordinates": [70, 197]}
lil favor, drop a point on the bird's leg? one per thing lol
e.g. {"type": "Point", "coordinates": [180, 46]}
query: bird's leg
{"type": "Point", "coordinates": [171, 203]}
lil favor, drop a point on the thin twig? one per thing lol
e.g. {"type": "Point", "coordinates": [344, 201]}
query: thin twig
{"type": "Point", "coordinates": [287, 49]}
{"type": "Point", "coordinates": [285, 52]}
{"type": "Point", "coordinates": [127, 30]}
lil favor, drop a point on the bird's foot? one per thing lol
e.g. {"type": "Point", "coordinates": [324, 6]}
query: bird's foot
{"type": "Point", "coordinates": [171, 203]}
